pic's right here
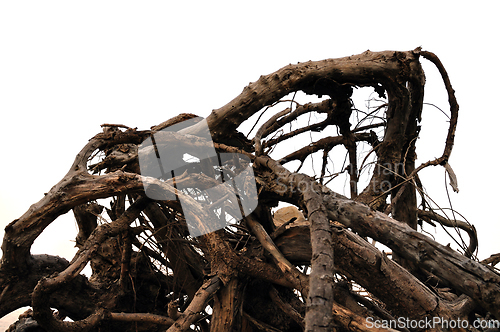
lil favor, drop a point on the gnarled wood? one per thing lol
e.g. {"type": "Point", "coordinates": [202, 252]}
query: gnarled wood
{"type": "Point", "coordinates": [319, 273]}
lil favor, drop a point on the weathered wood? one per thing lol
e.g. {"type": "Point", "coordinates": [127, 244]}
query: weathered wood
{"type": "Point", "coordinates": [372, 269]}
{"type": "Point", "coordinates": [227, 303]}
{"type": "Point", "coordinates": [476, 280]}
{"type": "Point", "coordinates": [150, 273]}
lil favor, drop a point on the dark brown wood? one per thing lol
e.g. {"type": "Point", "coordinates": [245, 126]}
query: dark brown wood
{"type": "Point", "coordinates": [257, 274]}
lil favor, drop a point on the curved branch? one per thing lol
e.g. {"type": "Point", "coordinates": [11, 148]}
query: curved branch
{"type": "Point", "coordinates": [75, 189]}
{"type": "Point", "coordinates": [471, 230]}
{"type": "Point", "coordinates": [266, 127]}
{"type": "Point", "coordinates": [274, 124]}
{"type": "Point", "coordinates": [20, 288]}
{"type": "Point", "coordinates": [326, 144]}
{"type": "Point", "coordinates": [20, 234]}
{"type": "Point", "coordinates": [326, 77]}
{"type": "Point", "coordinates": [450, 139]}
{"type": "Point", "coordinates": [40, 298]}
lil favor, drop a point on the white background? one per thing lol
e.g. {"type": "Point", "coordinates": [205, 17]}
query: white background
{"type": "Point", "coordinates": [68, 67]}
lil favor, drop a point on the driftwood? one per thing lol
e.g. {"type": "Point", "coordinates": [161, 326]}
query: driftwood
{"type": "Point", "coordinates": [316, 271]}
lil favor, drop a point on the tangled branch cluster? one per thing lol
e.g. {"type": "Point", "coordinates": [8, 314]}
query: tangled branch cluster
{"type": "Point", "coordinates": [259, 273]}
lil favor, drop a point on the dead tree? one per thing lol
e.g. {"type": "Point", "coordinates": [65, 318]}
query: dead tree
{"type": "Point", "coordinates": [319, 273]}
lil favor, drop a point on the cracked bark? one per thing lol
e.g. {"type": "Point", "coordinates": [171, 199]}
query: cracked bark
{"type": "Point", "coordinates": [149, 274]}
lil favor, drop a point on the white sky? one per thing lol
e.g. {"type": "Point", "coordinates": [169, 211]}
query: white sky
{"type": "Point", "coordinates": [67, 67]}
